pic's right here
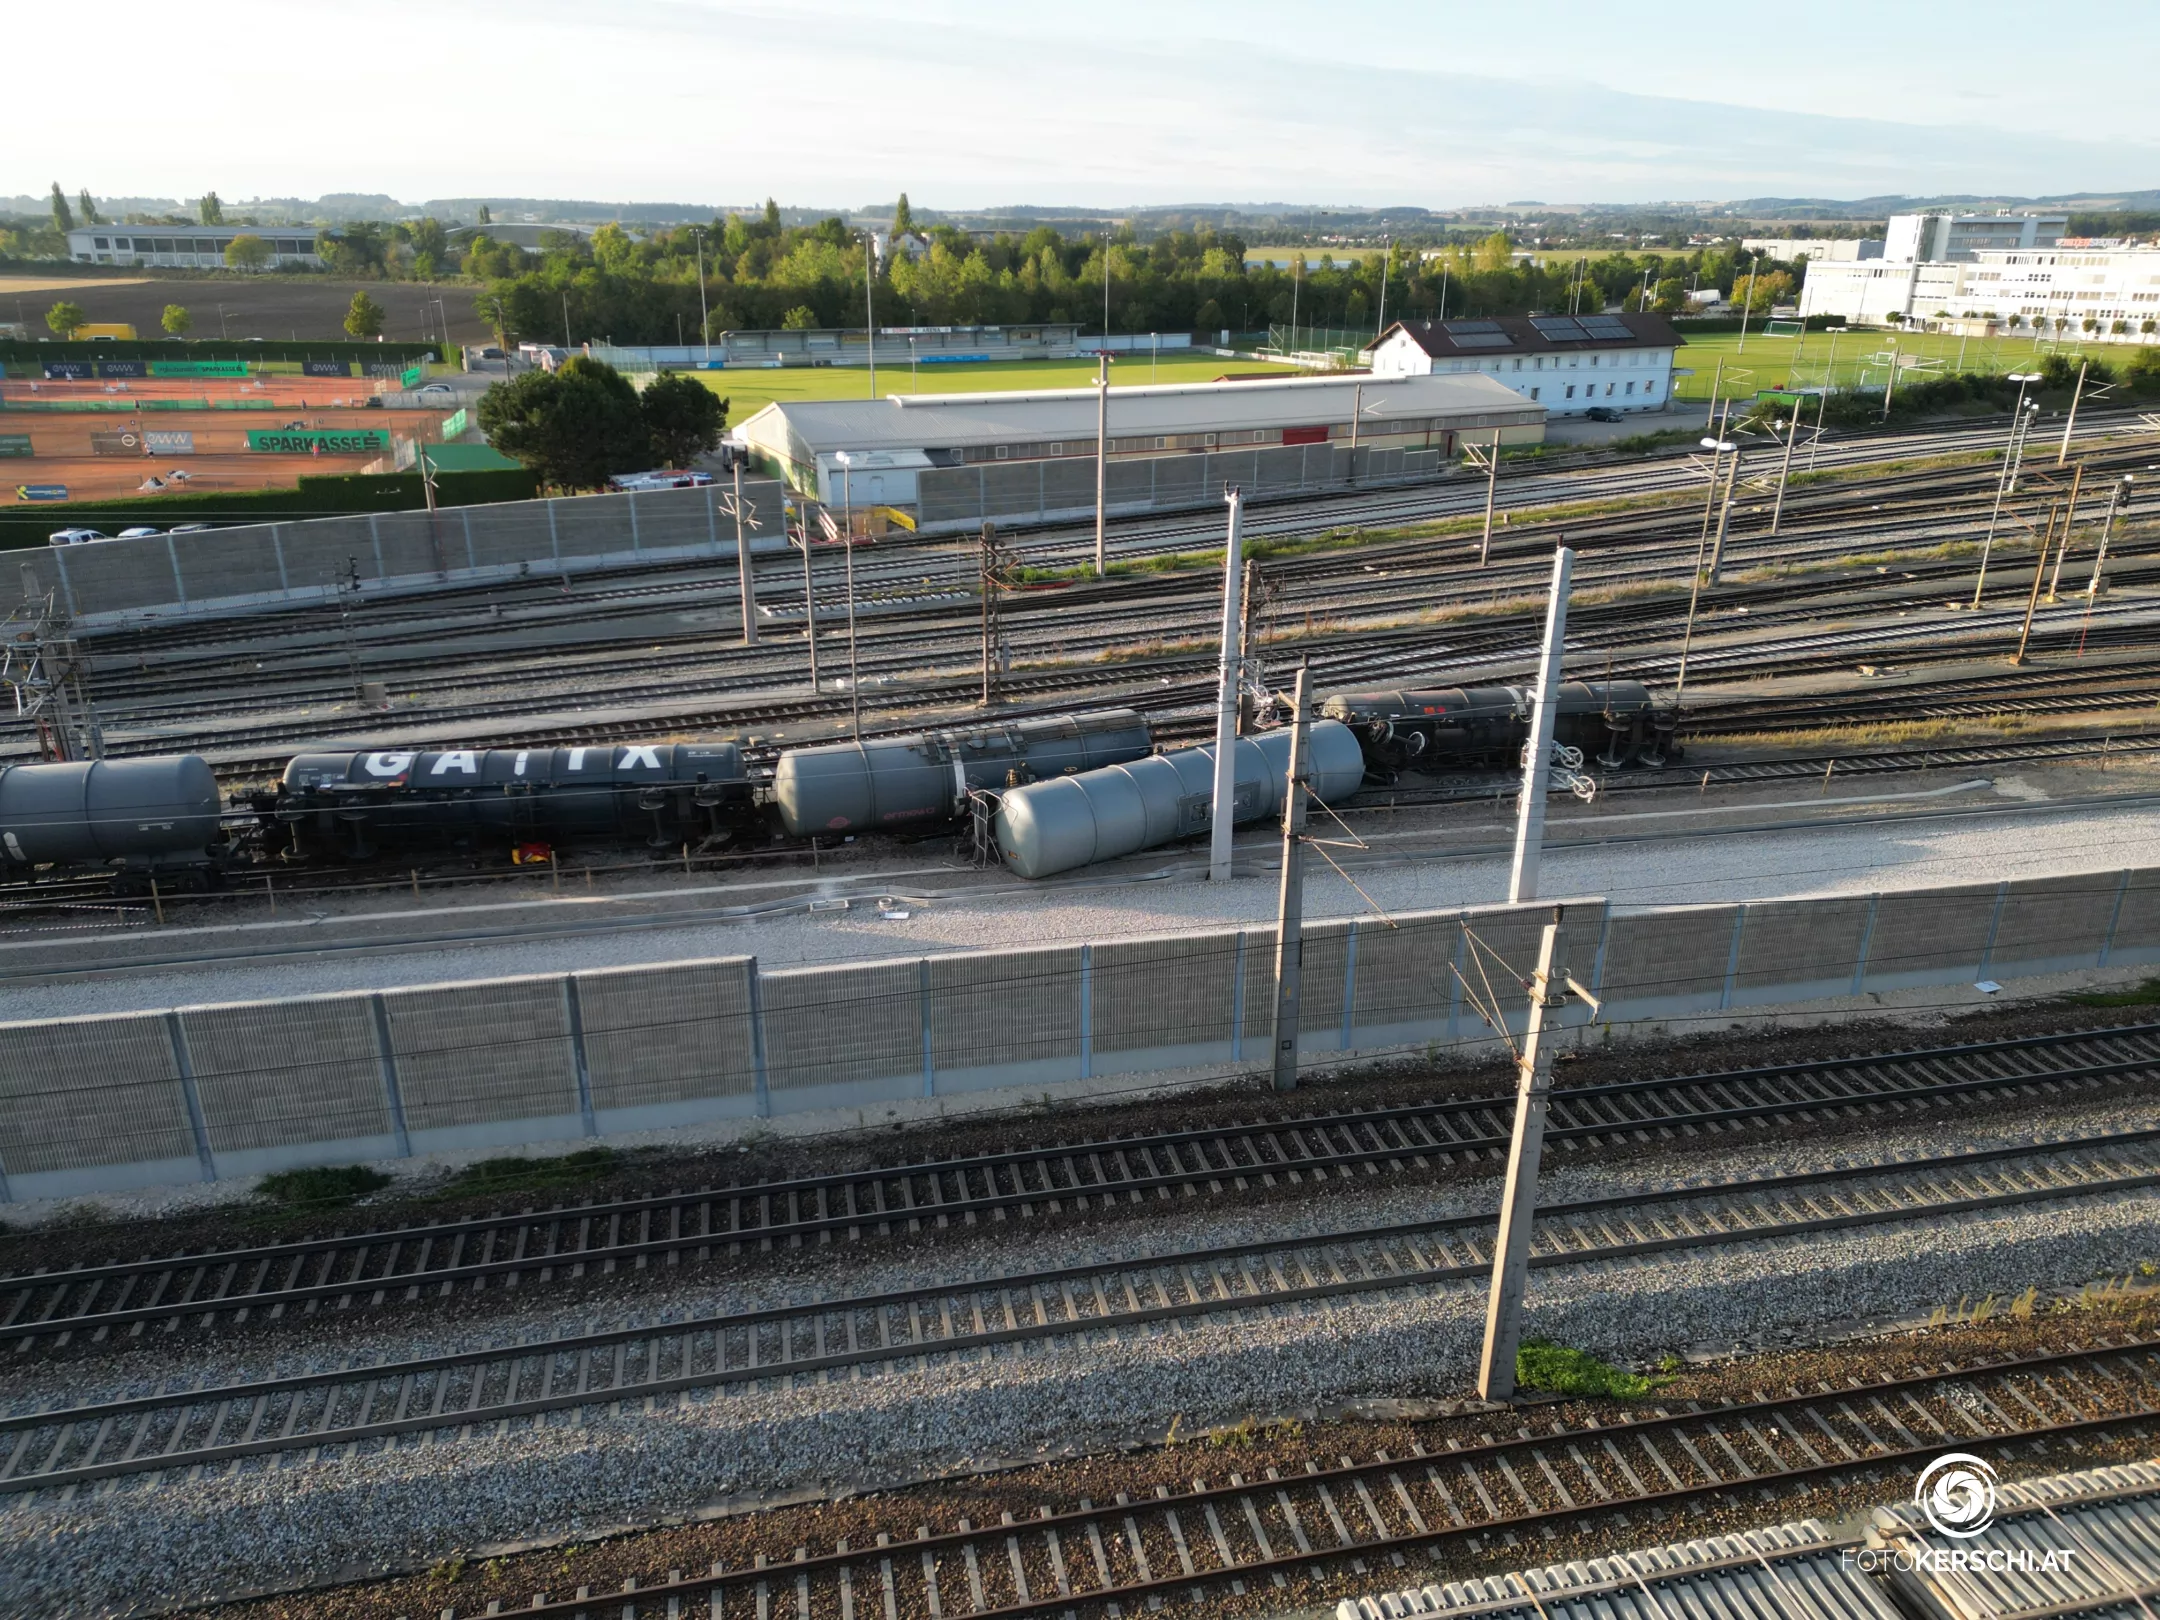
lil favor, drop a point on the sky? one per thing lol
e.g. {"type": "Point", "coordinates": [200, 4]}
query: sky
{"type": "Point", "coordinates": [978, 103]}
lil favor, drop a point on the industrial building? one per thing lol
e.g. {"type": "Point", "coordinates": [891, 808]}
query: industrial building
{"type": "Point", "coordinates": [951, 459]}
{"type": "Point", "coordinates": [187, 247]}
{"type": "Point", "coordinates": [1565, 363]}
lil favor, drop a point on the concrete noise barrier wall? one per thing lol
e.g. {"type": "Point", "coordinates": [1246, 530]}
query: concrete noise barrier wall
{"type": "Point", "coordinates": [202, 1093]}
{"type": "Point", "coordinates": [254, 568]}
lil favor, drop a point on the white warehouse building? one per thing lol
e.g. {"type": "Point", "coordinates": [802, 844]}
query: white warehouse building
{"type": "Point", "coordinates": [1566, 363]}
{"type": "Point", "coordinates": [187, 247]}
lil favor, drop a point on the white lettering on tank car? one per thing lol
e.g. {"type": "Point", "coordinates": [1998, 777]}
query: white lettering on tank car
{"type": "Point", "coordinates": [577, 758]}
{"type": "Point", "coordinates": [387, 764]}
{"type": "Point", "coordinates": [463, 760]}
{"type": "Point", "coordinates": [517, 766]}
{"type": "Point", "coordinates": [639, 756]}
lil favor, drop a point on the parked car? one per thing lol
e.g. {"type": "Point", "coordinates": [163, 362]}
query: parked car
{"type": "Point", "coordinates": [141, 531]}
{"type": "Point", "coordinates": [1602, 413]}
{"type": "Point", "coordinates": [77, 537]}
{"type": "Point", "coordinates": [191, 528]}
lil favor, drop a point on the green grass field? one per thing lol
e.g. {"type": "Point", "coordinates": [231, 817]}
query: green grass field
{"type": "Point", "coordinates": [749, 390]}
{"type": "Point", "coordinates": [1857, 359]}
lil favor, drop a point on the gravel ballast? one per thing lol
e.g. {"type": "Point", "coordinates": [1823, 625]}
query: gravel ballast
{"type": "Point", "coordinates": [264, 1527]}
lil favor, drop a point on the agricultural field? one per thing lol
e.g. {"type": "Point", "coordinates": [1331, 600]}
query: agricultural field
{"type": "Point", "coordinates": [748, 390]}
{"type": "Point", "coordinates": [293, 307]}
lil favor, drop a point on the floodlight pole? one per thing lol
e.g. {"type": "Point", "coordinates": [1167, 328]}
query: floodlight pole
{"type": "Point", "coordinates": [746, 584]}
{"type": "Point", "coordinates": [1530, 819]}
{"type": "Point", "coordinates": [1223, 818]}
{"type": "Point", "coordinates": [1290, 905]}
{"type": "Point", "coordinates": [869, 280]}
{"type": "Point", "coordinates": [1102, 447]}
{"type": "Point", "coordinates": [1518, 1200]}
{"type": "Point", "coordinates": [704, 315]}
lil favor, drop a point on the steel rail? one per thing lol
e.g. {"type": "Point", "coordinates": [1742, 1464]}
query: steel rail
{"type": "Point", "coordinates": [352, 1406]}
{"type": "Point", "coordinates": [577, 1240]}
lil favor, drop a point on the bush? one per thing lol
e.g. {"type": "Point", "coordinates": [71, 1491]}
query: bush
{"type": "Point", "coordinates": [520, 1174]}
{"type": "Point", "coordinates": [1541, 1364]}
{"type": "Point", "coordinates": [329, 1186]}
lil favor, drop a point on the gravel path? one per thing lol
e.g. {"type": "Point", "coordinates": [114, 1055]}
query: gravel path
{"type": "Point", "coordinates": [92, 1555]}
{"type": "Point", "coordinates": [1665, 871]}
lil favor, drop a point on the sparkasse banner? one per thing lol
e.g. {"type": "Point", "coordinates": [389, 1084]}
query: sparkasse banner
{"type": "Point", "coordinates": [324, 441]}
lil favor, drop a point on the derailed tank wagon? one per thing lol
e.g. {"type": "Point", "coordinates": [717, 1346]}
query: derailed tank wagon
{"type": "Point", "coordinates": [1616, 724]}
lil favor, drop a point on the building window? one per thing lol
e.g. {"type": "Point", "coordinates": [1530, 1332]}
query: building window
{"type": "Point", "coordinates": [1001, 452]}
{"type": "Point", "coordinates": [1649, 387]}
{"type": "Point", "coordinates": [1162, 444]}
{"type": "Point", "coordinates": [1570, 390]}
{"type": "Point", "coordinates": [1631, 387]}
{"type": "Point", "coordinates": [103, 243]}
{"type": "Point", "coordinates": [1535, 392]}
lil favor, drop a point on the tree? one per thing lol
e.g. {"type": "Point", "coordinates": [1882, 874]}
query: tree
{"type": "Point", "coordinates": [683, 416]}
{"type": "Point", "coordinates": [575, 426]}
{"type": "Point", "coordinates": [62, 218]}
{"type": "Point", "coordinates": [66, 319]}
{"type": "Point", "coordinates": [486, 218]}
{"type": "Point", "coordinates": [247, 253]}
{"type": "Point", "coordinates": [212, 209]}
{"type": "Point", "coordinates": [89, 209]}
{"type": "Point", "coordinates": [365, 318]}
{"type": "Point", "coordinates": [802, 318]}
{"type": "Point", "coordinates": [176, 320]}
{"type": "Point", "coordinates": [903, 218]}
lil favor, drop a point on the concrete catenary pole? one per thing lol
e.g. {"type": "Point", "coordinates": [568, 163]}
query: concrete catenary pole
{"type": "Point", "coordinates": [1102, 457]}
{"type": "Point", "coordinates": [1226, 697]}
{"type": "Point", "coordinates": [745, 582]}
{"type": "Point", "coordinates": [2062, 453]}
{"type": "Point", "coordinates": [1518, 1201]}
{"type": "Point", "coordinates": [1792, 437]}
{"type": "Point", "coordinates": [1492, 487]}
{"type": "Point", "coordinates": [1530, 822]}
{"type": "Point", "coordinates": [1290, 907]}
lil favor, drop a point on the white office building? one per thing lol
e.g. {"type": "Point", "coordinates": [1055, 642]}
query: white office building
{"type": "Point", "coordinates": [1980, 270]}
{"type": "Point", "coordinates": [1818, 249]}
{"type": "Point", "coordinates": [186, 247]}
{"type": "Point", "coordinates": [2107, 291]}
{"type": "Point", "coordinates": [1566, 363]}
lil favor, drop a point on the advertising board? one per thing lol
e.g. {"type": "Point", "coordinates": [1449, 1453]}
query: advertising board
{"type": "Point", "coordinates": [314, 441]}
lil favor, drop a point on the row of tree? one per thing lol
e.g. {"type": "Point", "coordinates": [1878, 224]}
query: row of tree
{"type": "Point", "coordinates": [755, 272]}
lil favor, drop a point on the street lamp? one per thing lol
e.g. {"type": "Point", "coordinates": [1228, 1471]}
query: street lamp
{"type": "Point", "coordinates": [2021, 415]}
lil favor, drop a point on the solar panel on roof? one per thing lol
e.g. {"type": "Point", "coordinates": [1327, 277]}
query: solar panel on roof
{"type": "Point", "coordinates": [1455, 328]}
{"type": "Point", "coordinates": [1480, 340]}
{"type": "Point", "coordinates": [1606, 327]}
{"type": "Point", "coordinates": [1556, 326]}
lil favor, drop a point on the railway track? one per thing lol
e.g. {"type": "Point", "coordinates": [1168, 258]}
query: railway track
{"type": "Point", "coordinates": [505, 1251]}
{"type": "Point", "coordinates": [654, 1365]}
{"type": "Point", "coordinates": [1233, 1537]}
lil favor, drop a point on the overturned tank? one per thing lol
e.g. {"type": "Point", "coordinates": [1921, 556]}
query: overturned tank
{"type": "Point", "coordinates": [1052, 827]}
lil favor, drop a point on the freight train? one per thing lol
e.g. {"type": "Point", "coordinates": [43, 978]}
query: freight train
{"type": "Point", "coordinates": [1065, 790]}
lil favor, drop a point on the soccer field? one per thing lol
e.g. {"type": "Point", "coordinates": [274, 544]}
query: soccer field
{"type": "Point", "coordinates": [749, 389]}
{"type": "Point", "coordinates": [1858, 358]}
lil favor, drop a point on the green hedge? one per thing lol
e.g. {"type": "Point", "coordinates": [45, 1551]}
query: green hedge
{"type": "Point", "coordinates": [32, 523]}
{"type": "Point", "coordinates": [15, 352]}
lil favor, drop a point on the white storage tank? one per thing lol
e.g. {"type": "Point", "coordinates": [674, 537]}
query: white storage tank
{"type": "Point", "coordinates": [1050, 827]}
